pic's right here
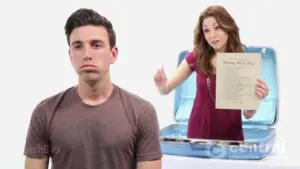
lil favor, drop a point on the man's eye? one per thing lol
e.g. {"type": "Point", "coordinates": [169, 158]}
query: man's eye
{"type": "Point", "coordinates": [97, 45]}
{"type": "Point", "coordinates": [77, 46]}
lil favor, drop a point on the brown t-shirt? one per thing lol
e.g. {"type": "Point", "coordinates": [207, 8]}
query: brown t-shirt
{"type": "Point", "coordinates": [116, 134]}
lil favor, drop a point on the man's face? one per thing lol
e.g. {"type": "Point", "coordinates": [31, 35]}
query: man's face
{"type": "Point", "coordinates": [90, 52]}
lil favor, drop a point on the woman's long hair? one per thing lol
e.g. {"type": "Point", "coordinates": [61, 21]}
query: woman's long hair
{"type": "Point", "coordinates": [202, 49]}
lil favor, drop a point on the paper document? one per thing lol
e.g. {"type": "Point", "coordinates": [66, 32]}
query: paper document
{"type": "Point", "coordinates": [236, 77]}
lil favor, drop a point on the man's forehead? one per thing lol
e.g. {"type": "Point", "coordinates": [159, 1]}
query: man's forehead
{"type": "Point", "coordinates": [89, 34]}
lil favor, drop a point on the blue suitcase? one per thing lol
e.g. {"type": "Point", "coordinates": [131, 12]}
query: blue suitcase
{"type": "Point", "coordinates": [258, 131]}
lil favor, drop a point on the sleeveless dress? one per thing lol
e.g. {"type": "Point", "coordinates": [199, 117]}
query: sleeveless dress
{"type": "Point", "coordinates": [207, 122]}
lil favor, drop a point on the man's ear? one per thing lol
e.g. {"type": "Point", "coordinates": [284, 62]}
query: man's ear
{"type": "Point", "coordinates": [114, 54]}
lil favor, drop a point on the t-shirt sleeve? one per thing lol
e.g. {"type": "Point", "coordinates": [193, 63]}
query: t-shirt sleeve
{"type": "Point", "coordinates": [191, 60]}
{"type": "Point", "coordinates": [37, 143]}
{"type": "Point", "coordinates": [148, 141]}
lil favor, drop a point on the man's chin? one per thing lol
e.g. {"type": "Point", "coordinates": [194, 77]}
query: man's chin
{"type": "Point", "coordinates": [90, 78]}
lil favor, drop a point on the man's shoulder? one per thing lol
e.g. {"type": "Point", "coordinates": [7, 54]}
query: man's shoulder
{"type": "Point", "coordinates": [51, 101]}
{"type": "Point", "coordinates": [135, 101]}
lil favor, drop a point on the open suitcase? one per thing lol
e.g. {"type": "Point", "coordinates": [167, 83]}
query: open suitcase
{"type": "Point", "coordinates": [258, 132]}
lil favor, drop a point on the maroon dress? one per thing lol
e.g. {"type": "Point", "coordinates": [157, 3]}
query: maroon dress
{"type": "Point", "coordinates": [207, 122]}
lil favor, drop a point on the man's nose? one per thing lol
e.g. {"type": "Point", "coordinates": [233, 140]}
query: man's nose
{"type": "Point", "coordinates": [87, 53]}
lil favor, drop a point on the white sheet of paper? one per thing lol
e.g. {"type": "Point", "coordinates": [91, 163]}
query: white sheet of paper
{"type": "Point", "coordinates": [236, 77]}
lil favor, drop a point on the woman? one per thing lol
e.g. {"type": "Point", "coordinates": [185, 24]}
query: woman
{"type": "Point", "coordinates": [215, 32]}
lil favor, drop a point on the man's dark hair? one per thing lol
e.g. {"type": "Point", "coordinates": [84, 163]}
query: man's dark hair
{"type": "Point", "coordinates": [83, 17]}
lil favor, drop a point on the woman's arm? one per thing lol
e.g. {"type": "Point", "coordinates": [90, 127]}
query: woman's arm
{"type": "Point", "coordinates": [182, 73]}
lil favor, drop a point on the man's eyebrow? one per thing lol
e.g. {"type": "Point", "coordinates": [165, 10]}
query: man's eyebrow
{"type": "Point", "coordinates": [93, 41]}
{"type": "Point", "coordinates": [96, 41]}
{"type": "Point", "coordinates": [76, 42]}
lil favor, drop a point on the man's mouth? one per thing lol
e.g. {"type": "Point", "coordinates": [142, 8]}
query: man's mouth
{"type": "Point", "coordinates": [87, 66]}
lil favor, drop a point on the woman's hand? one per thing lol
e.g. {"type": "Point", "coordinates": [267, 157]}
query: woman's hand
{"type": "Point", "coordinates": [160, 80]}
{"type": "Point", "coordinates": [261, 89]}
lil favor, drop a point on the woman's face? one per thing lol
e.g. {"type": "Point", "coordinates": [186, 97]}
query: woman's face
{"type": "Point", "coordinates": [214, 35]}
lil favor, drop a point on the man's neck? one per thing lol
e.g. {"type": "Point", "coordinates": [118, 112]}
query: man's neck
{"type": "Point", "coordinates": [97, 93]}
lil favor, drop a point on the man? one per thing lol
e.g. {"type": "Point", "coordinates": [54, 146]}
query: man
{"type": "Point", "coordinates": [96, 124]}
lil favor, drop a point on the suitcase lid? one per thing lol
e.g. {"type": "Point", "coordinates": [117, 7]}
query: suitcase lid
{"type": "Point", "coordinates": [267, 113]}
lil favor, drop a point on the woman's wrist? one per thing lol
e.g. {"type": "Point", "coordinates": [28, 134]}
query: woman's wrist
{"type": "Point", "coordinates": [163, 89]}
